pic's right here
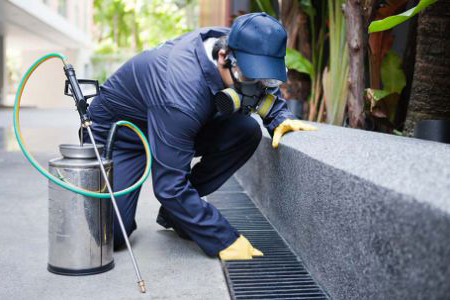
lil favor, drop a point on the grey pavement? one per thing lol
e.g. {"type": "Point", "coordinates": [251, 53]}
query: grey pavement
{"type": "Point", "coordinates": [172, 268]}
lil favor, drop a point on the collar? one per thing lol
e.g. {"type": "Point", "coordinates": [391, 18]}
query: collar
{"type": "Point", "coordinates": [210, 71]}
{"type": "Point", "coordinates": [209, 45]}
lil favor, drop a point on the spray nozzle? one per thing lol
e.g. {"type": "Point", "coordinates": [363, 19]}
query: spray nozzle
{"type": "Point", "coordinates": [80, 90]}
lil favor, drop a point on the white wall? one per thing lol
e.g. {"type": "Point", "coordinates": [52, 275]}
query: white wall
{"type": "Point", "coordinates": [35, 28]}
{"type": "Point", "coordinates": [2, 70]}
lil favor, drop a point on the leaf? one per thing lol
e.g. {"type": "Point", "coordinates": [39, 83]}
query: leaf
{"type": "Point", "coordinates": [296, 61]}
{"type": "Point", "coordinates": [389, 22]}
{"type": "Point", "coordinates": [373, 96]}
{"type": "Point", "coordinates": [392, 75]}
{"type": "Point", "coordinates": [385, 106]}
{"type": "Point", "coordinates": [397, 132]}
{"type": "Point", "coordinates": [266, 6]}
{"type": "Point", "coordinates": [326, 86]}
{"type": "Point", "coordinates": [376, 95]}
{"type": "Point", "coordinates": [378, 112]}
{"type": "Point", "coordinates": [307, 7]}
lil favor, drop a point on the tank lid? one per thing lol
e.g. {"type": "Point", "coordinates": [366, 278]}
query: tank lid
{"type": "Point", "coordinates": [77, 151]}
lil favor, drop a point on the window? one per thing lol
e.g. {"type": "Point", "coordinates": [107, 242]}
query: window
{"type": "Point", "coordinates": [62, 7]}
{"type": "Point", "coordinates": [85, 17]}
{"type": "Point", "coordinates": [77, 14]}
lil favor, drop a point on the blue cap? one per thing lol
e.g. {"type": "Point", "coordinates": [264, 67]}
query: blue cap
{"type": "Point", "coordinates": [258, 42]}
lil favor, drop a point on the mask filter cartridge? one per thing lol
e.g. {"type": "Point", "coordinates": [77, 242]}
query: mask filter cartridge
{"type": "Point", "coordinates": [265, 105]}
{"type": "Point", "coordinates": [227, 101]}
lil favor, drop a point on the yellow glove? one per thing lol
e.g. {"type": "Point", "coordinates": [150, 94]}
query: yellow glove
{"type": "Point", "coordinates": [240, 249]}
{"type": "Point", "coordinates": [289, 125]}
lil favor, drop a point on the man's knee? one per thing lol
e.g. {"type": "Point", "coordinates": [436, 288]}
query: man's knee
{"type": "Point", "coordinates": [249, 131]}
{"type": "Point", "coordinates": [254, 133]}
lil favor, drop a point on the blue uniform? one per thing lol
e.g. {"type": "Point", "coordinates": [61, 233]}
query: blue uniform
{"type": "Point", "coordinates": [168, 92]}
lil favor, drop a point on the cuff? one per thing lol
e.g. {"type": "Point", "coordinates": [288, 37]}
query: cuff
{"type": "Point", "coordinates": [231, 239]}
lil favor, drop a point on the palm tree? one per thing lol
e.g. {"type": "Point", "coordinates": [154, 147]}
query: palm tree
{"type": "Point", "coordinates": [430, 95]}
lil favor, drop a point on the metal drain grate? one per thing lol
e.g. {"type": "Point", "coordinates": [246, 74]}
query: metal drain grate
{"type": "Point", "coordinates": [279, 274]}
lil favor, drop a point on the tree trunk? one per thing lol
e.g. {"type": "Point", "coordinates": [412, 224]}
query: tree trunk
{"type": "Point", "coordinates": [368, 10]}
{"type": "Point", "coordinates": [430, 95]}
{"type": "Point", "coordinates": [354, 27]}
{"type": "Point", "coordinates": [115, 30]}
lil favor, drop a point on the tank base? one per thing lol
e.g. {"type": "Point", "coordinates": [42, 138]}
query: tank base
{"type": "Point", "coordinates": [81, 272]}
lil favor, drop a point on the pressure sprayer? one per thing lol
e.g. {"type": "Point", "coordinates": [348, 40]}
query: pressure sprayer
{"type": "Point", "coordinates": [80, 226]}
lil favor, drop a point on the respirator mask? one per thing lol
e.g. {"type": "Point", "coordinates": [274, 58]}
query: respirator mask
{"type": "Point", "coordinates": [246, 95]}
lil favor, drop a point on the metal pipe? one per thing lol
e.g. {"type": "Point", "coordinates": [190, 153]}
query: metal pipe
{"type": "Point", "coordinates": [140, 282]}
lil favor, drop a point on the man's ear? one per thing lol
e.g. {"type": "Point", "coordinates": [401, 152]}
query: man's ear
{"type": "Point", "coordinates": [221, 57]}
{"type": "Point", "coordinates": [223, 64]}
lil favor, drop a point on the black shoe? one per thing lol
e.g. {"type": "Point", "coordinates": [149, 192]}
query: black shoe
{"type": "Point", "coordinates": [162, 219]}
{"type": "Point", "coordinates": [165, 221]}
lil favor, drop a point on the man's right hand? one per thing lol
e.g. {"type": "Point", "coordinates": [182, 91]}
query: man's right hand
{"type": "Point", "coordinates": [240, 249]}
{"type": "Point", "coordinates": [289, 125]}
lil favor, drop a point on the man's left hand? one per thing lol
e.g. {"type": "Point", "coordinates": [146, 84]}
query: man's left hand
{"type": "Point", "coordinates": [289, 125]}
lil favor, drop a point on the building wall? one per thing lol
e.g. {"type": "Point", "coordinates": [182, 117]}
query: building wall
{"type": "Point", "coordinates": [214, 13]}
{"type": "Point", "coordinates": [77, 12]}
{"type": "Point", "coordinates": [221, 12]}
{"type": "Point", "coordinates": [64, 26]}
{"type": "Point", "coordinates": [2, 69]}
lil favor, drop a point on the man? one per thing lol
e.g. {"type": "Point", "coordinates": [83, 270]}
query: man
{"type": "Point", "coordinates": [173, 93]}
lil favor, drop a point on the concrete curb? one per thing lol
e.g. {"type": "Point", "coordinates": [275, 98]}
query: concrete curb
{"type": "Point", "coordinates": [368, 213]}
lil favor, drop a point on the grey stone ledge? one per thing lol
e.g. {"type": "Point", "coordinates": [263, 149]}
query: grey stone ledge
{"type": "Point", "coordinates": [409, 166]}
{"type": "Point", "coordinates": [368, 213]}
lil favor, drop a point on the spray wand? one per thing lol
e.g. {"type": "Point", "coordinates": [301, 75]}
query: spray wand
{"type": "Point", "coordinates": [81, 104]}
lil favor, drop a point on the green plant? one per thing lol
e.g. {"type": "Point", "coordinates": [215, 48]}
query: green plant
{"type": "Point", "coordinates": [379, 43]}
{"type": "Point", "coordinates": [387, 79]}
{"type": "Point", "coordinates": [335, 75]}
{"type": "Point", "coordinates": [135, 25]}
{"type": "Point", "coordinates": [316, 106]}
{"type": "Point", "coordinates": [391, 21]}
{"type": "Point", "coordinates": [382, 104]}
{"type": "Point", "coordinates": [392, 75]}
{"type": "Point", "coordinates": [296, 61]}
{"type": "Point", "coordinates": [266, 6]}
{"type": "Point", "coordinates": [332, 80]}
{"type": "Point", "coordinates": [125, 27]}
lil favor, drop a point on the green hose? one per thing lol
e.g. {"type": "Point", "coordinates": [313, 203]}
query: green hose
{"type": "Point", "coordinates": [42, 170]}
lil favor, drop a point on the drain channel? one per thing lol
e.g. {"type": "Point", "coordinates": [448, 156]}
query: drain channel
{"type": "Point", "coordinates": [279, 274]}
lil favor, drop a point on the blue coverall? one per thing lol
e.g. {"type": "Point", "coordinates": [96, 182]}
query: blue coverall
{"type": "Point", "coordinates": [168, 92]}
